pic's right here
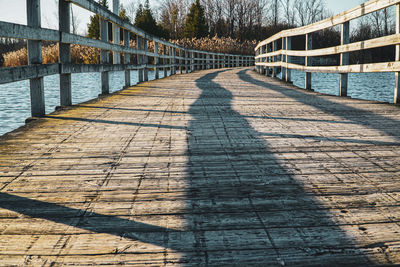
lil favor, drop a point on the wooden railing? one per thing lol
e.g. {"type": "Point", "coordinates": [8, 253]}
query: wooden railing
{"type": "Point", "coordinates": [173, 57]}
{"type": "Point", "coordinates": [269, 58]}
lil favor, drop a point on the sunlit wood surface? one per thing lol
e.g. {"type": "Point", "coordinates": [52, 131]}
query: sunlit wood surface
{"type": "Point", "coordinates": [217, 167]}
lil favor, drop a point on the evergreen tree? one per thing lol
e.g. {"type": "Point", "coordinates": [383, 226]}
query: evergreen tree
{"type": "Point", "coordinates": [123, 14]}
{"type": "Point", "coordinates": [139, 14]}
{"type": "Point", "coordinates": [94, 25]}
{"type": "Point", "coordinates": [145, 20]}
{"type": "Point", "coordinates": [195, 24]}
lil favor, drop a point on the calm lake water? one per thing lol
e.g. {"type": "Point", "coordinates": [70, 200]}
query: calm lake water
{"type": "Point", "coordinates": [15, 99]}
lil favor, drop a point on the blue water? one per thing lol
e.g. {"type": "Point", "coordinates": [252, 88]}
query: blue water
{"type": "Point", "coordinates": [15, 99]}
{"type": "Point", "coordinates": [368, 86]}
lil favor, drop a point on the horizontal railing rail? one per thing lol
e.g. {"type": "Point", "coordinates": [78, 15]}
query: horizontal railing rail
{"type": "Point", "coordinates": [276, 51]}
{"type": "Point", "coordinates": [165, 56]}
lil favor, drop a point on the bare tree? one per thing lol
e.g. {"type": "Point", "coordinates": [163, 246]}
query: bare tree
{"type": "Point", "coordinates": [310, 11]}
{"type": "Point", "coordinates": [130, 10]}
{"type": "Point", "coordinates": [173, 15]}
{"type": "Point", "coordinates": [75, 21]}
{"type": "Point", "coordinates": [381, 22]}
{"type": "Point", "coordinates": [288, 12]}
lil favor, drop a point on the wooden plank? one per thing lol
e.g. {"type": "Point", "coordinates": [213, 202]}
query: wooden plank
{"type": "Point", "coordinates": [17, 31]}
{"type": "Point", "coordinates": [356, 46]}
{"type": "Point", "coordinates": [14, 74]}
{"type": "Point", "coordinates": [356, 68]}
{"type": "Point", "coordinates": [85, 41]}
{"type": "Point", "coordinates": [208, 168]}
{"type": "Point", "coordinates": [64, 53]}
{"type": "Point", "coordinates": [396, 93]}
{"type": "Point", "coordinates": [344, 58]}
{"type": "Point", "coordinates": [127, 57]}
{"type": "Point", "coordinates": [359, 11]}
{"type": "Point", "coordinates": [35, 57]}
{"type": "Point", "coordinates": [116, 32]}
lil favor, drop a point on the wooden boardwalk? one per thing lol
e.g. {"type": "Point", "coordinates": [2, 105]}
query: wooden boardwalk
{"type": "Point", "coordinates": [218, 167]}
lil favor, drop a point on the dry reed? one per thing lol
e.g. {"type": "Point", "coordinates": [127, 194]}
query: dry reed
{"type": "Point", "coordinates": [89, 55]}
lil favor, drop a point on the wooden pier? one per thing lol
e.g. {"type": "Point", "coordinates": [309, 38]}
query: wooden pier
{"type": "Point", "coordinates": [216, 167]}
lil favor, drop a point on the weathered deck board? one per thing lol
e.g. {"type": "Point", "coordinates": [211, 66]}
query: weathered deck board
{"type": "Point", "coordinates": [212, 167]}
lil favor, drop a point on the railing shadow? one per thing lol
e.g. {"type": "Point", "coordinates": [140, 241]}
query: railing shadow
{"type": "Point", "coordinates": [243, 201]}
{"type": "Point", "coordinates": [115, 122]}
{"type": "Point", "coordinates": [384, 124]}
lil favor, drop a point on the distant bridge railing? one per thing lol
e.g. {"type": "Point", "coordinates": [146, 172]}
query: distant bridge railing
{"type": "Point", "coordinates": [173, 57]}
{"type": "Point", "coordinates": [276, 51]}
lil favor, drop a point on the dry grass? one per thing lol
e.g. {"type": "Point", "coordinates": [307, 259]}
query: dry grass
{"type": "Point", "coordinates": [79, 54]}
{"type": "Point", "coordinates": [88, 55]}
{"type": "Point", "coordinates": [219, 45]}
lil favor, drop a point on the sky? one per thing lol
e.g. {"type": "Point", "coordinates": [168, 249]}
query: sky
{"type": "Point", "coordinates": [15, 11]}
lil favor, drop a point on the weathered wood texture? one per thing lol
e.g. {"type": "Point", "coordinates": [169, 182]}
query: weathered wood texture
{"type": "Point", "coordinates": [348, 15]}
{"type": "Point", "coordinates": [266, 59]}
{"type": "Point", "coordinates": [213, 167]}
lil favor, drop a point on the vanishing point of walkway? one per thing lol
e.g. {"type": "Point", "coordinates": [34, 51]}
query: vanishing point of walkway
{"type": "Point", "coordinates": [217, 167]}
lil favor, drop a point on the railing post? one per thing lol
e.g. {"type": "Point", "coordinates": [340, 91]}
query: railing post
{"type": "Point", "coordinates": [275, 59]}
{"type": "Point", "coordinates": [269, 49]}
{"type": "Point", "coordinates": [214, 63]}
{"type": "Point", "coordinates": [288, 59]}
{"type": "Point", "coordinates": [177, 60]}
{"type": "Point", "coordinates": [116, 32]}
{"type": "Point", "coordinates": [200, 60]}
{"type": "Point", "coordinates": [104, 57]}
{"type": "Point", "coordinates": [173, 62]}
{"type": "Point", "coordinates": [193, 56]}
{"type": "Point", "coordinates": [263, 59]}
{"type": "Point", "coordinates": [344, 58]}
{"type": "Point", "coordinates": [396, 99]}
{"type": "Point", "coordinates": [156, 61]}
{"type": "Point", "coordinates": [283, 59]}
{"type": "Point", "coordinates": [165, 52]}
{"type": "Point", "coordinates": [146, 60]}
{"type": "Point", "coordinates": [35, 57]}
{"type": "Point", "coordinates": [64, 53]}
{"type": "Point", "coordinates": [127, 58]}
{"type": "Point", "coordinates": [187, 61]}
{"type": "Point", "coordinates": [181, 60]}
{"type": "Point", "coordinates": [192, 67]}
{"type": "Point", "coordinates": [237, 61]}
{"type": "Point", "coordinates": [308, 61]}
{"type": "Point", "coordinates": [139, 45]}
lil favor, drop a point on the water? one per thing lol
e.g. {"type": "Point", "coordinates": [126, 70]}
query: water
{"type": "Point", "coordinates": [368, 86]}
{"type": "Point", "coordinates": [15, 99]}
